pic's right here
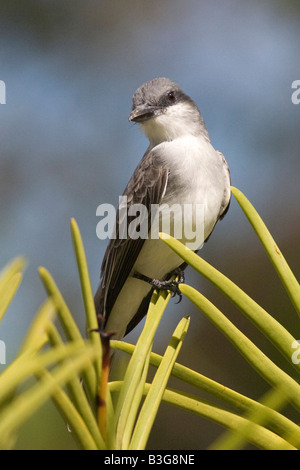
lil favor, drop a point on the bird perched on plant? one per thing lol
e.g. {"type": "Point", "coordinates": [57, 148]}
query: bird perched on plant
{"type": "Point", "coordinates": [180, 167]}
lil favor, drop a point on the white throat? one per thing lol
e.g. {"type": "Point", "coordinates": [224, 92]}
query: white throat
{"type": "Point", "coordinates": [176, 121]}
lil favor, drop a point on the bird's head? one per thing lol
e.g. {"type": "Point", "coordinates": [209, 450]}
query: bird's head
{"type": "Point", "coordinates": [165, 112]}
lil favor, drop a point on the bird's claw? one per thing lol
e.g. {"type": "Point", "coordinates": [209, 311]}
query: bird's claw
{"type": "Point", "coordinates": [163, 285]}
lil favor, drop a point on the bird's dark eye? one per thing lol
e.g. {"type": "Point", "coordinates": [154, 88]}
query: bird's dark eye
{"type": "Point", "coordinates": [171, 96]}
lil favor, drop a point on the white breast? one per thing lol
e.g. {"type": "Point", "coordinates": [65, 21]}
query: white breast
{"type": "Point", "coordinates": [198, 175]}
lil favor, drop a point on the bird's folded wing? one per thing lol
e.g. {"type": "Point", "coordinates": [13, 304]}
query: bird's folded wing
{"type": "Point", "coordinates": [147, 186]}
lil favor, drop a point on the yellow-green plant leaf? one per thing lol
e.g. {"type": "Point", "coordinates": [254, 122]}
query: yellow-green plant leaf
{"type": "Point", "coordinates": [281, 266]}
{"type": "Point", "coordinates": [68, 323]}
{"type": "Point", "coordinates": [277, 422]}
{"type": "Point", "coordinates": [258, 360]}
{"type": "Point", "coordinates": [136, 365]}
{"type": "Point", "coordinates": [261, 437]}
{"type": "Point", "coordinates": [23, 366]}
{"type": "Point", "coordinates": [10, 278]}
{"type": "Point", "coordinates": [25, 404]}
{"type": "Point", "coordinates": [86, 288]}
{"type": "Point", "coordinates": [76, 392]}
{"type": "Point", "coordinates": [154, 396]}
{"type": "Point", "coordinates": [271, 328]}
{"type": "Point", "coordinates": [8, 291]}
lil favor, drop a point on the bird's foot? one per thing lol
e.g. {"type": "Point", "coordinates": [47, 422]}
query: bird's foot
{"type": "Point", "coordinates": [171, 285]}
{"type": "Point", "coordinates": [178, 272]}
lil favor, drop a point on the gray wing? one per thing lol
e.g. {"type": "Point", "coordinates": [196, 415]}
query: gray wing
{"type": "Point", "coordinates": [146, 186]}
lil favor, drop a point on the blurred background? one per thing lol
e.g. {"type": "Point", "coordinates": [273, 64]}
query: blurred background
{"type": "Point", "coordinates": [66, 146]}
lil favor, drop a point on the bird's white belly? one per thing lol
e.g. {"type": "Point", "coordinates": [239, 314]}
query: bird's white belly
{"type": "Point", "coordinates": [155, 260]}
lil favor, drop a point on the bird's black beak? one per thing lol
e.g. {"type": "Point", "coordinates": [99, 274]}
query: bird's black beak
{"type": "Point", "coordinates": [143, 113]}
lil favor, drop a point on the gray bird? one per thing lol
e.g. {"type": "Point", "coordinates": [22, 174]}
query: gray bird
{"type": "Point", "coordinates": [180, 167]}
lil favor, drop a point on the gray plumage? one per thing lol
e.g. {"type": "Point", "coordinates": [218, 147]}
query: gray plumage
{"type": "Point", "coordinates": [179, 166]}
